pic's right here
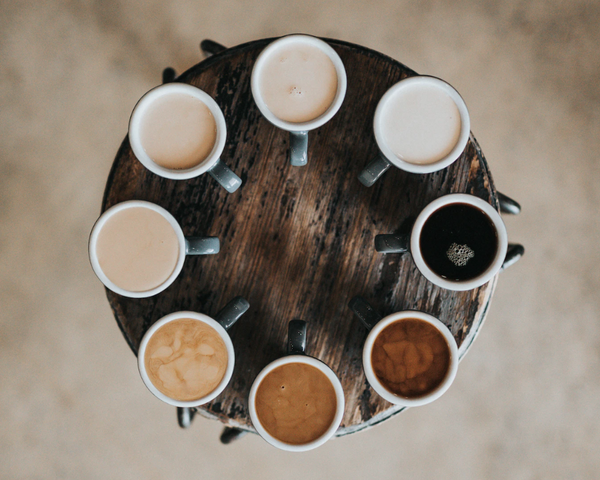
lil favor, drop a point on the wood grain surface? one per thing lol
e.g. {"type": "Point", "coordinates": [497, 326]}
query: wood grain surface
{"type": "Point", "coordinates": [297, 242]}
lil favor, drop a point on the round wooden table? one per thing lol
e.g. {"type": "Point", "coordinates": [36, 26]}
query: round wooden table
{"type": "Point", "coordinates": [297, 242]}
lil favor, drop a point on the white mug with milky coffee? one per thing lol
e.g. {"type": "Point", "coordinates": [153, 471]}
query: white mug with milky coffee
{"type": "Point", "coordinates": [137, 248]}
{"type": "Point", "coordinates": [178, 131]}
{"type": "Point", "coordinates": [186, 359]}
{"type": "Point", "coordinates": [421, 125]}
{"type": "Point", "coordinates": [410, 358]}
{"type": "Point", "coordinates": [298, 83]}
{"type": "Point", "coordinates": [296, 403]}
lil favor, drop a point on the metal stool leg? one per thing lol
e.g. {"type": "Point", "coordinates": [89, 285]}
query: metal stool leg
{"type": "Point", "coordinates": [168, 75]}
{"type": "Point", "coordinates": [209, 47]}
{"type": "Point", "coordinates": [230, 434]}
{"type": "Point", "coordinates": [185, 416]}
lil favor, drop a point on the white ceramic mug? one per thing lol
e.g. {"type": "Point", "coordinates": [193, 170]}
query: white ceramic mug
{"type": "Point", "coordinates": [187, 246]}
{"type": "Point", "coordinates": [296, 348]}
{"type": "Point", "coordinates": [400, 243]}
{"type": "Point", "coordinates": [211, 164]}
{"type": "Point", "coordinates": [298, 131]}
{"type": "Point", "coordinates": [220, 324]}
{"type": "Point", "coordinates": [388, 157]}
{"type": "Point", "coordinates": [373, 321]}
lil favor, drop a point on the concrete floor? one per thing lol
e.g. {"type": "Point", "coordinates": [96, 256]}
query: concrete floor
{"type": "Point", "coordinates": [525, 402]}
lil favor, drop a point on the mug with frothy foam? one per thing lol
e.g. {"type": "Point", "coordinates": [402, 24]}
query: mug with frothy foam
{"type": "Point", "coordinates": [137, 248]}
{"type": "Point", "coordinates": [298, 84]}
{"type": "Point", "coordinates": [296, 403]}
{"type": "Point", "coordinates": [458, 242]}
{"type": "Point", "coordinates": [410, 358]}
{"type": "Point", "coordinates": [186, 359]}
{"type": "Point", "coordinates": [421, 125]}
{"type": "Point", "coordinates": [178, 131]}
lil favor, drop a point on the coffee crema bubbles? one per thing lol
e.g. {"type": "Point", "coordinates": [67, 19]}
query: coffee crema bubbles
{"type": "Point", "coordinates": [186, 359]}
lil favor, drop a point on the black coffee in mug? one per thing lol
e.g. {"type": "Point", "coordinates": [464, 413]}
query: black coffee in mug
{"type": "Point", "coordinates": [458, 242]}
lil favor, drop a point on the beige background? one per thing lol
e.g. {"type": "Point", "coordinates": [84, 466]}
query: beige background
{"type": "Point", "coordinates": [526, 400]}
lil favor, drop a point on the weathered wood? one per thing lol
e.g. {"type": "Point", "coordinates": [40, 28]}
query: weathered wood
{"type": "Point", "coordinates": [298, 242]}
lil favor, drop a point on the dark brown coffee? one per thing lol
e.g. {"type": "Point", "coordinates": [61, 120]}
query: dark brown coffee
{"type": "Point", "coordinates": [296, 403]}
{"type": "Point", "coordinates": [459, 242]}
{"type": "Point", "coordinates": [410, 358]}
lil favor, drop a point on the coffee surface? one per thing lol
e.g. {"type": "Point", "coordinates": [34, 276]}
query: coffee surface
{"type": "Point", "coordinates": [420, 123]}
{"type": "Point", "coordinates": [459, 242]}
{"type": "Point", "coordinates": [137, 249]}
{"type": "Point", "coordinates": [296, 403]}
{"type": "Point", "coordinates": [178, 131]}
{"type": "Point", "coordinates": [186, 359]}
{"type": "Point", "coordinates": [298, 82]}
{"type": "Point", "coordinates": [410, 358]}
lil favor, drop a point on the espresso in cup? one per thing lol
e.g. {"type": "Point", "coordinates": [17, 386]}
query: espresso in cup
{"type": "Point", "coordinates": [137, 248]}
{"type": "Point", "coordinates": [298, 83]}
{"type": "Point", "coordinates": [458, 242]}
{"type": "Point", "coordinates": [296, 403]}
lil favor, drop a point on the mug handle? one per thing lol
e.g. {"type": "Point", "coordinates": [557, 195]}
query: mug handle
{"type": "Point", "coordinates": [515, 250]}
{"type": "Point", "coordinates": [364, 312]}
{"type": "Point", "coordinates": [296, 337]}
{"type": "Point", "coordinates": [226, 178]}
{"type": "Point", "coordinates": [202, 245]}
{"type": "Point", "coordinates": [374, 170]}
{"type": "Point", "coordinates": [392, 243]}
{"type": "Point", "coordinates": [231, 312]}
{"type": "Point", "coordinates": [299, 148]}
{"type": "Point", "coordinates": [508, 205]}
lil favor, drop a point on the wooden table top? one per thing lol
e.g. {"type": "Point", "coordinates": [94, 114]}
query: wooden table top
{"type": "Point", "coordinates": [298, 242]}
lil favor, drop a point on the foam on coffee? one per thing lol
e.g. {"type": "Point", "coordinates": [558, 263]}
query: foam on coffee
{"type": "Point", "coordinates": [178, 131]}
{"type": "Point", "coordinates": [298, 82]}
{"type": "Point", "coordinates": [137, 249]}
{"type": "Point", "coordinates": [420, 123]}
{"type": "Point", "coordinates": [410, 358]}
{"type": "Point", "coordinates": [296, 403]}
{"type": "Point", "coordinates": [186, 359]}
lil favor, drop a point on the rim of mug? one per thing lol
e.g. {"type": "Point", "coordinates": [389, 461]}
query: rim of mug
{"type": "Point", "coordinates": [135, 123]}
{"type": "Point", "coordinates": [93, 240]}
{"type": "Point", "coordinates": [201, 318]}
{"type": "Point", "coordinates": [461, 143]}
{"type": "Point", "coordinates": [485, 276]}
{"type": "Point", "coordinates": [337, 419]}
{"type": "Point", "coordinates": [337, 100]}
{"type": "Point", "coordinates": [378, 386]}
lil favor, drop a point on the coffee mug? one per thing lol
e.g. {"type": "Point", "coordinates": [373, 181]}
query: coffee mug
{"type": "Point", "coordinates": [298, 83]}
{"type": "Point", "coordinates": [458, 242]}
{"type": "Point", "coordinates": [178, 131]}
{"type": "Point", "coordinates": [410, 358]}
{"type": "Point", "coordinates": [296, 403]}
{"type": "Point", "coordinates": [137, 248]}
{"type": "Point", "coordinates": [186, 359]}
{"type": "Point", "coordinates": [421, 125]}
